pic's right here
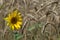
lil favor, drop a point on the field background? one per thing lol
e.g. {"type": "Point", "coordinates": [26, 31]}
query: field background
{"type": "Point", "coordinates": [41, 19]}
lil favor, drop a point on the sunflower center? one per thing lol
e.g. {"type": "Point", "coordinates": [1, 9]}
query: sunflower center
{"type": "Point", "coordinates": [14, 20]}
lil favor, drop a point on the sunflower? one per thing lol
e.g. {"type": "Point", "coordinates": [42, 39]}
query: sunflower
{"type": "Point", "coordinates": [14, 20]}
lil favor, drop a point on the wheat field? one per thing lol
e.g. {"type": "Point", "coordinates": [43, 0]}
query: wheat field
{"type": "Point", "coordinates": [41, 19]}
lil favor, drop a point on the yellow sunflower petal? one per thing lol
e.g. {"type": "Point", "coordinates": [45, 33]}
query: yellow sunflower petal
{"type": "Point", "coordinates": [20, 26]}
{"type": "Point", "coordinates": [9, 16]}
{"type": "Point", "coordinates": [8, 21]}
{"type": "Point", "coordinates": [6, 18]}
{"type": "Point", "coordinates": [20, 19]}
{"type": "Point", "coordinates": [19, 13]}
{"type": "Point", "coordinates": [19, 16]}
{"type": "Point", "coordinates": [7, 24]}
{"type": "Point", "coordinates": [20, 23]}
{"type": "Point", "coordinates": [12, 27]}
{"type": "Point", "coordinates": [15, 13]}
{"type": "Point", "coordinates": [16, 26]}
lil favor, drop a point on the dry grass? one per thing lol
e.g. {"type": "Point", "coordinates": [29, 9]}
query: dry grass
{"type": "Point", "coordinates": [41, 19]}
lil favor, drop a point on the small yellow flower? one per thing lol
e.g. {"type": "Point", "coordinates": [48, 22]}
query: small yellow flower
{"type": "Point", "coordinates": [14, 20]}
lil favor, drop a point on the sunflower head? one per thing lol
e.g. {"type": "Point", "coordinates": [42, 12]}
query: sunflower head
{"type": "Point", "coordinates": [14, 20]}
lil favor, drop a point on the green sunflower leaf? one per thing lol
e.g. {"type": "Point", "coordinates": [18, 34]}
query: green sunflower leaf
{"type": "Point", "coordinates": [19, 37]}
{"type": "Point", "coordinates": [31, 28]}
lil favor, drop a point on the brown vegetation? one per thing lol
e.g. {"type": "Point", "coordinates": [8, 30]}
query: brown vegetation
{"type": "Point", "coordinates": [41, 19]}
